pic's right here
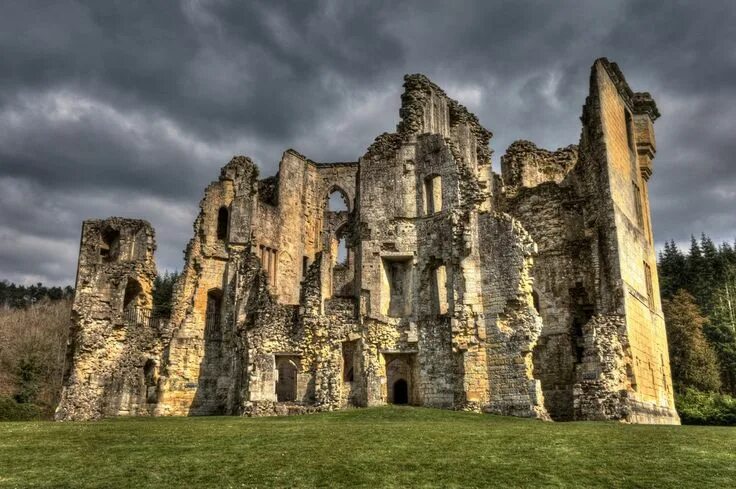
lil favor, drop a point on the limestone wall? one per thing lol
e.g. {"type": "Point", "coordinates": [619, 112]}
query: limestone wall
{"type": "Point", "coordinates": [531, 293]}
{"type": "Point", "coordinates": [651, 381]}
{"type": "Point", "coordinates": [114, 342]}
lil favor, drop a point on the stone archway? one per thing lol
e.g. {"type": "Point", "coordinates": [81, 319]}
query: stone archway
{"type": "Point", "coordinates": [286, 382]}
{"type": "Point", "coordinates": [399, 381]}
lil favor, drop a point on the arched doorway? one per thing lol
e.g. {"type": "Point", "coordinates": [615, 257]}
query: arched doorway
{"type": "Point", "coordinates": [399, 378]}
{"type": "Point", "coordinates": [286, 382]}
{"type": "Point", "coordinates": [401, 392]}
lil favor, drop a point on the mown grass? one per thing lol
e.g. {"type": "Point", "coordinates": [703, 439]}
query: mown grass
{"type": "Point", "coordinates": [380, 447]}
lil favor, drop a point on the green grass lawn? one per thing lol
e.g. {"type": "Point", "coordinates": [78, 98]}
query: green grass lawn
{"type": "Point", "coordinates": [380, 447]}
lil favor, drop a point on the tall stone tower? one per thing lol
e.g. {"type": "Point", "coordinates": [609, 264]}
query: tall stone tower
{"type": "Point", "coordinates": [112, 357]}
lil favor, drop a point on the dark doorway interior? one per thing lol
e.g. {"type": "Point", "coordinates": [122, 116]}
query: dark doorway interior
{"type": "Point", "coordinates": [286, 383]}
{"type": "Point", "coordinates": [401, 392]}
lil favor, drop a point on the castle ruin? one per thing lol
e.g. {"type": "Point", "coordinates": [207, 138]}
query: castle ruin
{"type": "Point", "coordinates": [438, 283]}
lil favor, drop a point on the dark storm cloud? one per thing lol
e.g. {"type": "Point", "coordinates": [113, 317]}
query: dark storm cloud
{"type": "Point", "coordinates": [130, 108]}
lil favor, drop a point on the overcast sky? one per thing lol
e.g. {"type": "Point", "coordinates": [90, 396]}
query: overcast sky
{"type": "Point", "coordinates": [130, 108]}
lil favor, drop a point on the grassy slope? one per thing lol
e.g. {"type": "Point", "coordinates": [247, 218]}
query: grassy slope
{"type": "Point", "coordinates": [381, 447]}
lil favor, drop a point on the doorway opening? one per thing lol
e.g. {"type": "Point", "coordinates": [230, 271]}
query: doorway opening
{"type": "Point", "coordinates": [286, 370]}
{"type": "Point", "coordinates": [401, 392]}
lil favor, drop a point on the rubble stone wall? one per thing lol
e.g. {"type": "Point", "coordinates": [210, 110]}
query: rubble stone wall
{"type": "Point", "coordinates": [531, 293]}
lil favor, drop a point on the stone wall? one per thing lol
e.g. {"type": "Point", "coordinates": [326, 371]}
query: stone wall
{"type": "Point", "coordinates": [532, 293]}
{"type": "Point", "coordinates": [115, 343]}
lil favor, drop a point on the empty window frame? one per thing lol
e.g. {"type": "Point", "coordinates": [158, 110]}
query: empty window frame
{"type": "Point", "coordinates": [396, 286]}
{"type": "Point", "coordinates": [109, 244]}
{"type": "Point", "coordinates": [650, 287]}
{"type": "Point", "coordinates": [348, 360]}
{"type": "Point", "coordinates": [432, 194]}
{"type": "Point", "coordinates": [223, 220]}
{"type": "Point", "coordinates": [212, 313]}
{"type": "Point", "coordinates": [629, 130]}
{"type": "Point", "coordinates": [637, 203]}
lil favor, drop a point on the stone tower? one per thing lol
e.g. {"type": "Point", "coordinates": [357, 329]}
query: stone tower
{"type": "Point", "coordinates": [436, 283]}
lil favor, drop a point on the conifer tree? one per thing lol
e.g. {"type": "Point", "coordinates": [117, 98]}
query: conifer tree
{"type": "Point", "coordinates": [692, 359]}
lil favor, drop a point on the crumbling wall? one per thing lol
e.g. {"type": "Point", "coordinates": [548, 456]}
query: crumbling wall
{"type": "Point", "coordinates": [564, 281]}
{"type": "Point", "coordinates": [531, 293]}
{"type": "Point", "coordinates": [512, 326]}
{"type": "Point", "coordinates": [197, 373]}
{"type": "Point", "coordinates": [603, 390]}
{"type": "Point", "coordinates": [114, 344]}
{"type": "Point", "coordinates": [525, 165]}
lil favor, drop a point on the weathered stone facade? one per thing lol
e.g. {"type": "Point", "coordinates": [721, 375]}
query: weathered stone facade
{"type": "Point", "coordinates": [530, 293]}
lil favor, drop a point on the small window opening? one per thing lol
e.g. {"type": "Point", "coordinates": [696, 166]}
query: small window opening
{"type": "Point", "coordinates": [629, 130]}
{"type": "Point", "coordinates": [223, 219]}
{"type": "Point", "coordinates": [286, 381]}
{"type": "Point", "coordinates": [149, 378]}
{"type": "Point", "coordinates": [535, 300]}
{"type": "Point", "coordinates": [337, 201]}
{"type": "Point", "coordinates": [582, 312]}
{"type": "Point", "coordinates": [342, 252]}
{"type": "Point", "coordinates": [110, 244]}
{"type": "Point", "coordinates": [212, 313]}
{"type": "Point", "coordinates": [132, 291]}
{"type": "Point", "coordinates": [650, 288]}
{"type": "Point", "coordinates": [439, 290]}
{"type": "Point", "coordinates": [432, 194]}
{"type": "Point", "coordinates": [348, 361]}
{"type": "Point", "coordinates": [637, 203]}
{"type": "Point", "coordinates": [305, 265]}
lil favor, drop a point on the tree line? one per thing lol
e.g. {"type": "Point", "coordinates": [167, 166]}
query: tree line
{"type": "Point", "coordinates": [698, 290]}
{"type": "Point", "coordinates": [14, 296]}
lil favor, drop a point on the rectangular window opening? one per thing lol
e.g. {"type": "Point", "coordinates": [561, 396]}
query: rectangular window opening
{"type": "Point", "coordinates": [637, 204]}
{"type": "Point", "coordinates": [432, 194]}
{"type": "Point", "coordinates": [396, 287]}
{"type": "Point", "coordinates": [629, 130]}
{"type": "Point", "coordinates": [648, 279]}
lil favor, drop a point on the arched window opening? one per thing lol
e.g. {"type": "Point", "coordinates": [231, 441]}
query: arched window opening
{"type": "Point", "coordinates": [535, 300]}
{"type": "Point", "coordinates": [132, 290]}
{"type": "Point", "coordinates": [337, 201]}
{"type": "Point", "coordinates": [109, 244]}
{"type": "Point", "coordinates": [286, 381]}
{"type": "Point", "coordinates": [223, 220]}
{"type": "Point", "coordinates": [212, 314]}
{"type": "Point", "coordinates": [432, 194]}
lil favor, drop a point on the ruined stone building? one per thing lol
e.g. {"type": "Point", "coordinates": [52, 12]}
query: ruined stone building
{"type": "Point", "coordinates": [532, 292]}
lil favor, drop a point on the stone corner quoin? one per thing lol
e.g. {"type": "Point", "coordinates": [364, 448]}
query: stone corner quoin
{"type": "Point", "coordinates": [533, 292]}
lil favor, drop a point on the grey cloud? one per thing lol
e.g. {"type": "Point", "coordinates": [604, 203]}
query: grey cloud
{"type": "Point", "coordinates": [130, 108]}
